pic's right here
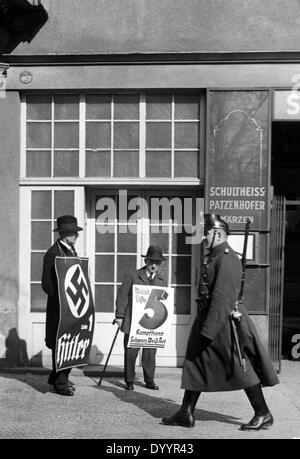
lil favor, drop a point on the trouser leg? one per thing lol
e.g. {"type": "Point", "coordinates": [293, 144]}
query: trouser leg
{"type": "Point", "coordinates": [262, 418]}
{"type": "Point", "coordinates": [257, 400]}
{"type": "Point", "coordinates": [189, 401]}
{"type": "Point", "coordinates": [130, 355]}
{"type": "Point", "coordinates": [59, 378]}
{"type": "Point", "coordinates": [185, 416]}
{"type": "Point", "coordinates": [148, 363]}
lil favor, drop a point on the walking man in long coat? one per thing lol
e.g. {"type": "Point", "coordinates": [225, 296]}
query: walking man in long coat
{"type": "Point", "coordinates": [67, 229]}
{"type": "Point", "coordinates": [211, 363]}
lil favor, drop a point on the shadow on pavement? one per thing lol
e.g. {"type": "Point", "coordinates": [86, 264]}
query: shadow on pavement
{"type": "Point", "coordinates": [158, 407]}
{"type": "Point", "coordinates": [37, 382]}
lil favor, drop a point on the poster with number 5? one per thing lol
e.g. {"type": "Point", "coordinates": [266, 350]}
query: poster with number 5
{"type": "Point", "coordinates": [152, 314]}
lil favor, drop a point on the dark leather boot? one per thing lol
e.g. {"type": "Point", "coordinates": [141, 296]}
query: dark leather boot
{"type": "Point", "coordinates": [259, 422]}
{"type": "Point", "coordinates": [185, 416]}
{"type": "Point", "coordinates": [262, 418]}
{"type": "Point", "coordinates": [180, 418]}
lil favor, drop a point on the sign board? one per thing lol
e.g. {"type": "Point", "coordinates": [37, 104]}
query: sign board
{"type": "Point", "coordinates": [286, 105]}
{"type": "Point", "coordinates": [237, 158]}
{"type": "Point", "coordinates": [152, 314]}
{"type": "Point", "coordinates": [77, 313]}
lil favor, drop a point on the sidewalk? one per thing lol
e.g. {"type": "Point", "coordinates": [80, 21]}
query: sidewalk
{"type": "Point", "coordinates": [31, 410]}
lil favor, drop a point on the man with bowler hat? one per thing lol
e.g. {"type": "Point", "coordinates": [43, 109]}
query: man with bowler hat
{"type": "Point", "coordinates": [211, 363]}
{"type": "Point", "coordinates": [67, 229]}
{"type": "Point", "coordinates": [148, 275]}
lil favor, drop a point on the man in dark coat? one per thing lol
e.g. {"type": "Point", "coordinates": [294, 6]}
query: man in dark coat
{"type": "Point", "coordinates": [148, 275]}
{"type": "Point", "coordinates": [64, 247]}
{"type": "Point", "coordinates": [211, 363]}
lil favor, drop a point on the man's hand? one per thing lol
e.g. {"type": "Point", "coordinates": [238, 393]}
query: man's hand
{"type": "Point", "coordinates": [118, 322]}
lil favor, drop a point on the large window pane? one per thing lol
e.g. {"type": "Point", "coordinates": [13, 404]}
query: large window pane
{"type": "Point", "coordinates": [105, 238]}
{"type": "Point", "coordinates": [186, 135]}
{"type": "Point", "coordinates": [186, 107]}
{"type": "Point", "coordinates": [98, 163]}
{"type": "Point", "coordinates": [38, 299]}
{"type": "Point", "coordinates": [36, 266]}
{"type": "Point", "coordinates": [126, 164]}
{"type": "Point", "coordinates": [40, 235]}
{"type": "Point", "coordinates": [126, 106]}
{"type": "Point", "coordinates": [164, 270]}
{"type": "Point", "coordinates": [179, 244]}
{"type": "Point", "coordinates": [159, 107]}
{"type": "Point", "coordinates": [158, 237]}
{"type": "Point", "coordinates": [158, 135]}
{"type": "Point", "coordinates": [66, 164]}
{"type": "Point", "coordinates": [98, 135]}
{"type": "Point", "coordinates": [66, 107]}
{"type": "Point", "coordinates": [39, 107]}
{"type": "Point", "coordinates": [181, 270]}
{"type": "Point", "coordinates": [186, 164]}
{"type": "Point", "coordinates": [182, 300]}
{"type": "Point", "coordinates": [104, 269]}
{"type": "Point", "coordinates": [126, 263]}
{"type": "Point", "coordinates": [126, 135]}
{"type": "Point", "coordinates": [158, 164]}
{"type": "Point", "coordinates": [38, 164]}
{"type": "Point", "coordinates": [106, 209]}
{"type": "Point", "coordinates": [127, 241]}
{"type": "Point", "coordinates": [63, 203]}
{"type": "Point", "coordinates": [66, 135]}
{"type": "Point", "coordinates": [41, 204]}
{"type": "Point", "coordinates": [38, 135]}
{"type": "Point", "coordinates": [104, 295]}
{"type": "Point", "coordinates": [98, 106]}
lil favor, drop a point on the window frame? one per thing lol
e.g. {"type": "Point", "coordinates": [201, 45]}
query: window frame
{"type": "Point", "coordinates": [142, 149]}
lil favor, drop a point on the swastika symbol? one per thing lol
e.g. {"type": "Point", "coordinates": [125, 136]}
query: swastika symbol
{"type": "Point", "coordinates": [77, 291]}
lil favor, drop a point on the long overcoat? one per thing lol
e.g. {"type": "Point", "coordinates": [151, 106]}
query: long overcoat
{"type": "Point", "coordinates": [215, 366]}
{"type": "Point", "coordinates": [50, 287]}
{"type": "Point", "coordinates": [124, 297]}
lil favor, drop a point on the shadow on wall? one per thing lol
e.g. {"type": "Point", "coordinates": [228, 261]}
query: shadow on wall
{"type": "Point", "coordinates": [16, 351]}
{"type": "Point", "coordinates": [20, 21]}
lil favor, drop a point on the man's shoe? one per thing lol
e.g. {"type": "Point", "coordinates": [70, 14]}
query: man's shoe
{"type": "Point", "coordinates": [152, 386]}
{"type": "Point", "coordinates": [259, 422]}
{"type": "Point", "coordinates": [180, 418]}
{"type": "Point", "coordinates": [66, 391]}
{"type": "Point", "coordinates": [129, 386]}
{"type": "Point", "coordinates": [51, 380]}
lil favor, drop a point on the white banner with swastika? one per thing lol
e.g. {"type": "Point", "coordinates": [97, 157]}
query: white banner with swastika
{"type": "Point", "coordinates": [77, 313]}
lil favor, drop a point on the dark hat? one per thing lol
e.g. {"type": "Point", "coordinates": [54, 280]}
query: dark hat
{"type": "Point", "coordinates": [155, 253]}
{"type": "Point", "coordinates": [67, 224]}
{"type": "Point", "coordinates": [213, 221]}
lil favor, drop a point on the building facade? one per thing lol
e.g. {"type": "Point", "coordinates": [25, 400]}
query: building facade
{"type": "Point", "coordinates": [118, 110]}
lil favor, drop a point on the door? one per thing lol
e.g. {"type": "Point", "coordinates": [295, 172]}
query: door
{"type": "Point", "coordinates": [277, 237]}
{"type": "Point", "coordinates": [39, 209]}
{"type": "Point", "coordinates": [121, 226]}
{"type": "Point", "coordinates": [291, 296]}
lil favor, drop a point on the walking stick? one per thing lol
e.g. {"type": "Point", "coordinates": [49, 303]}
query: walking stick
{"type": "Point", "coordinates": [111, 348]}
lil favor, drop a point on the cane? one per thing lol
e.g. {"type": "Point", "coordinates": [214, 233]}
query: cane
{"type": "Point", "coordinates": [111, 348]}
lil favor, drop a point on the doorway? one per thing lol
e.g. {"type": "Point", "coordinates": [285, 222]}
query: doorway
{"type": "Point", "coordinates": [285, 181]}
{"type": "Point", "coordinates": [121, 226]}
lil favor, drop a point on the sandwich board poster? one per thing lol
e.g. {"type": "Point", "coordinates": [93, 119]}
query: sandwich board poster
{"type": "Point", "coordinates": [77, 313]}
{"type": "Point", "coordinates": [152, 314]}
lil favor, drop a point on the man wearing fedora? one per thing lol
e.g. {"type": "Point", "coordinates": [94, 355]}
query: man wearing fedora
{"type": "Point", "coordinates": [148, 275]}
{"type": "Point", "coordinates": [67, 229]}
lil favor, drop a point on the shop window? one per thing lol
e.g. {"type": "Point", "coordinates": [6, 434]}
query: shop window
{"type": "Point", "coordinates": [46, 206]}
{"type": "Point", "coordinates": [113, 135]}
